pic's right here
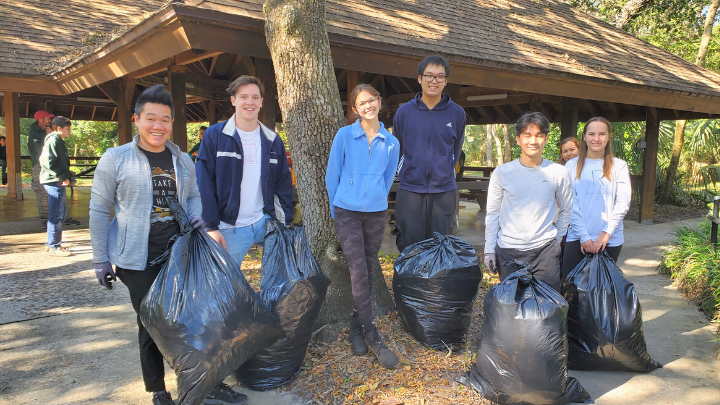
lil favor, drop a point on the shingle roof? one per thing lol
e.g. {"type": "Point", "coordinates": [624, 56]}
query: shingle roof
{"type": "Point", "coordinates": [33, 32]}
{"type": "Point", "coordinates": [545, 35]}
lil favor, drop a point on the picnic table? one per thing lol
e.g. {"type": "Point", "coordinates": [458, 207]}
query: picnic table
{"type": "Point", "coordinates": [88, 166]}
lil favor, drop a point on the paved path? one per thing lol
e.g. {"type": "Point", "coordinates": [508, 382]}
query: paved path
{"type": "Point", "coordinates": [64, 340]}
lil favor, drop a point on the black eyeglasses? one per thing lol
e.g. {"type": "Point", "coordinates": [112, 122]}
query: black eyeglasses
{"type": "Point", "coordinates": [430, 78]}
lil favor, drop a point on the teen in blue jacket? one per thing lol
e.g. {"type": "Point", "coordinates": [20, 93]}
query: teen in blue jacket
{"type": "Point", "coordinates": [243, 174]}
{"type": "Point", "coordinates": [431, 130]}
{"type": "Point", "coordinates": [361, 169]}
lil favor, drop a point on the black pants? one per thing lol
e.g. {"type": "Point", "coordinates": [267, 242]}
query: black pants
{"type": "Point", "coordinates": [572, 256]}
{"type": "Point", "coordinates": [151, 360]}
{"type": "Point", "coordinates": [418, 215]}
{"type": "Point", "coordinates": [544, 261]}
{"type": "Point", "coordinates": [360, 235]}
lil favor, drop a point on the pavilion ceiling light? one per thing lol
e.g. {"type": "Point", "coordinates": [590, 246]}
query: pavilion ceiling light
{"type": "Point", "coordinates": [488, 97]}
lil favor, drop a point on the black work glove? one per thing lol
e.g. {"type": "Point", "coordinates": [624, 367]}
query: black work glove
{"type": "Point", "coordinates": [105, 274]}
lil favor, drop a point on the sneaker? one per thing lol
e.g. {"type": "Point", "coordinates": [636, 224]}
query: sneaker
{"type": "Point", "coordinates": [59, 251]}
{"type": "Point", "coordinates": [222, 394]}
{"type": "Point", "coordinates": [162, 398]}
{"type": "Point", "coordinates": [70, 221]}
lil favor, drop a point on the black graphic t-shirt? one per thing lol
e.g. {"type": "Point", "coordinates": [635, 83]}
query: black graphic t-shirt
{"type": "Point", "coordinates": [162, 221]}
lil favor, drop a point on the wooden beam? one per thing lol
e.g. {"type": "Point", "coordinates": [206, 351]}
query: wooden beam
{"type": "Point", "coordinates": [11, 109]}
{"type": "Point", "coordinates": [249, 65]}
{"type": "Point", "coordinates": [352, 81]}
{"type": "Point", "coordinates": [176, 79]}
{"type": "Point", "coordinates": [212, 64]}
{"type": "Point", "coordinates": [569, 118]}
{"type": "Point", "coordinates": [93, 114]}
{"type": "Point", "coordinates": [212, 112]}
{"type": "Point", "coordinates": [525, 99]}
{"type": "Point", "coordinates": [270, 108]}
{"type": "Point", "coordinates": [124, 114]}
{"type": "Point", "coordinates": [501, 114]}
{"type": "Point", "coordinates": [647, 198]}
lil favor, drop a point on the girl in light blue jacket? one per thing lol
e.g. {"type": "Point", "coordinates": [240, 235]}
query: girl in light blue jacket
{"type": "Point", "coordinates": [361, 169]}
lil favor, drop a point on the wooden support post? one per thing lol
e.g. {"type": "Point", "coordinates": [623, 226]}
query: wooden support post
{"type": "Point", "coordinates": [124, 116]}
{"type": "Point", "coordinates": [271, 108]}
{"type": "Point", "coordinates": [352, 82]}
{"type": "Point", "coordinates": [11, 107]}
{"type": "Point", "coordinates": [176, 83]}
{"type": "Point", "coordinates": [212, 112]}
{"type": "Point", "coordinates": [569, 118]}
{"type": "Point", "coordinates": [647, 198]}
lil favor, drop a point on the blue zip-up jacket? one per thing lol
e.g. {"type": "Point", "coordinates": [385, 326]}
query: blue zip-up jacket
{"type": "Point", "coordinates": [359, 175]}
{"type": "Point", "coordinates": [430, 144]}
{"type": "Point", "coordinates": [219, 169]}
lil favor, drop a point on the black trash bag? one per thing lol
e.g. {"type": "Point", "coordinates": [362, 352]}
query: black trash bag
{"type": "Point", "coordinates": [522, 358]}
{"type": "Point", "coordinates": [202, 314]}
{"type": "Point", "coordinates": [294, 287]}
{"type": "Point", "coordinates": [605, 330]}
{"type": "Point", "coordinates": [435, 283]}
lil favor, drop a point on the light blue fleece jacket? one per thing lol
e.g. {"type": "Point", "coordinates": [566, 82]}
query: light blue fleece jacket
{"type": "Point", "coordinates": [359, 176]}
{"type": "Point", "coordinates": [123, 184]}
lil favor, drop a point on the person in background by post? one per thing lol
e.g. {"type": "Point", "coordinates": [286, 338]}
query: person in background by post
{"type": "Point", "coordinates": [55, 176]}
{"type": "Point", "coordinates": [36, 139]}
{"type": "Point", "coordinates": [361, 168]}
{"type": "Point", "coordinates": [3, 160]}
{"type": "Point", "coordinates": [569, 148]}
{"type": "Point", "coordinates": [195, 149]}
{"type": "Point", "coordinates": [523, 197]}
{"type": "Point", "coordinates": [601, 197]}
{"type": "Point", "coordinates": [431, 130]}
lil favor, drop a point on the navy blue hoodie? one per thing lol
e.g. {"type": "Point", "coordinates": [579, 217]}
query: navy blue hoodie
{"type": "Point", "coordinates": [430, 144]}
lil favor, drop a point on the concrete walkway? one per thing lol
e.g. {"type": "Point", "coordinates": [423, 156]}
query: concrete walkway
{"type": "Point", "coordinates": [65, 340]}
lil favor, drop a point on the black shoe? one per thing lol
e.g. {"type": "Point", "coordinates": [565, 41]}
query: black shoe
{"type": "Point", "coordinates": [356, 337]}
{"type": "Point", "coordinates": [385, 356]}
{"type": "Point", "coordinates": [222, 394]}
{"type": "Point", "coordinates": [70, 221]}
{"type": "Point", "coordinates": [44, 224]}
{"type": "Point", "coordinates": [162, 398]}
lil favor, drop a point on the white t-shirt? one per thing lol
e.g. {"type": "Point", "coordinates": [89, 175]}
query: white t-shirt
{"type": "Point", "coordinates": [599, 204]}
{"type": "Point", "coordinates": [251, 200]}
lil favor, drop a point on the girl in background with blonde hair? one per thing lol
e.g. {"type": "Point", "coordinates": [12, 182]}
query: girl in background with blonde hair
{"type": "Point", "coordinates": [601, 197]}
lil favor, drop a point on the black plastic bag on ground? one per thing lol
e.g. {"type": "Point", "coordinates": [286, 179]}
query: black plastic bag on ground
{"type": "Point", "coordinates": [522, 358]}
{"type": "Point", "coordinates": [605, 330]}
{"type": "Point", "coordinates": [435, 283]}
{"type": "Point", "coordinates": [294, 287]}
{"type": "Point", "coordinates": [203, 315]}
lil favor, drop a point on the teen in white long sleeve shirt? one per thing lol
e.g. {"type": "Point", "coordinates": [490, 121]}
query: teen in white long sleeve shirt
{"type": "Point", "coordinates": [601, 197]}
{"type": "Point", "coordinates": [522, 201]}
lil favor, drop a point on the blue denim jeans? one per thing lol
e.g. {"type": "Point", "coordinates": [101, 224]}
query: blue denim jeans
{"type": "Point", "coordinates": [238, 241]}
{"type": "Point", "coordinates": [57, 209]}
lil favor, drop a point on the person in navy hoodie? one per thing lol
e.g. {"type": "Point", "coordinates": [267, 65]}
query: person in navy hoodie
{"type": "Point", "coordinates": [361, 168]}
{"type": "Point", "coordinates": [243, 174]}
{"type": "Point", "coordinates": [431, 130]}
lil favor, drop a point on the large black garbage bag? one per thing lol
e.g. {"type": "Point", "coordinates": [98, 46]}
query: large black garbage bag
{"type": "Point", "coordinates": [605, 329]}
{"type": "Point", "coordinates": [294, 287]}
{"type": "Point", "coordinates": [203, 315]}
{"type": "Point", "coordinates": [522, 358]}
{"type": "Point", "coordinates": [435, 283]}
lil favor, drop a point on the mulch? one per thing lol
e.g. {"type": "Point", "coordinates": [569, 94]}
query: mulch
{"type": "Point", "coordinates": [668, 212]}
{"type": "Point", "coordinates": [332, 375]}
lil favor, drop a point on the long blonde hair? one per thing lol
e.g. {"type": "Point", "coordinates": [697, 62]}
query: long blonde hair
{"type": "Point", "coordinates": [608, 159]}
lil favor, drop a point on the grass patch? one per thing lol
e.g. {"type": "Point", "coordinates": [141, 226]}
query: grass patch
{"type": "Point", "coordinates": [695, 268]}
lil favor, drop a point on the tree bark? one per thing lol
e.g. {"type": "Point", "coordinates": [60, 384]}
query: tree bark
{"type": "Point", "coordinates": [498, 145]}
{"type": "Point", "coordinates": [508, 146]}
{"type": "Point", "coordinates": [630, 10]}
{"type": "Point", "coordinates": [488, 145]}
{"type": "Point", "coordinates": [679, 139]}
{"type": "Point", "coordinates": [312, 113]}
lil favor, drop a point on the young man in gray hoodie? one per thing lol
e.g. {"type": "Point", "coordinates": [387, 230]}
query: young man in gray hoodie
{"type": "Point", "coordinates": [523, 198]}
{"type": "Point", "coordinates": [133, 179]}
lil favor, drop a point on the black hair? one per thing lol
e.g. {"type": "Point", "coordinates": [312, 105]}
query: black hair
{"type": "Point", "coordinates": [156, 95]}
{"type": "Point", "coordinates": [433, 60]}
{"type": "Point", "coordinates": [203, 127]}
{"type": "Point", "coordinates": [1, 137]}
{"type": "Point", "coordinates": [536, 118]}
{"type": "Point", "coordinates": [60, 122]}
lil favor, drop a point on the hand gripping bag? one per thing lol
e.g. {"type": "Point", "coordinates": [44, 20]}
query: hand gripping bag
{"type": "Point", "coordinates": [435, 283]}
{"type": "Point", "coordinates": [605, 329]}
{"type": "Point", "coordinates": [202, 314]}
{"type": "Point", "coordinates": [294, 287]}
{"type": "Point", "coordinates": [522, 358]}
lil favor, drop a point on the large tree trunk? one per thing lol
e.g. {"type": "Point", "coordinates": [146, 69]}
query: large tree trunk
{"type": "Point", "coordinates": [498, 144]}
{"type": "Point", "coordinates": [508, 147]}
{"type": "Point", "coordinates": [488, 145]}
{"type": "Point", "coordinates": [312, 113]}
{"type": "Point", "coordinates": [630, 10]}
{"type": "Point", "coordinates": [679, 139]}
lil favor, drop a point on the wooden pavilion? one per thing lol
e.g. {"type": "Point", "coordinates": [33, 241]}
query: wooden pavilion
{"type": "Point", "coordinates": [507, 57]}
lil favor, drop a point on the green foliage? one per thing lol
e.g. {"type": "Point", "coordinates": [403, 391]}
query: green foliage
{"type": "Point", "coordinates": [695, 267]}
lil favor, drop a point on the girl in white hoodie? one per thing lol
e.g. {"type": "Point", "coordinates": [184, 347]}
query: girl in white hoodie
{"type": "Point", "coordinates": [601, 197]}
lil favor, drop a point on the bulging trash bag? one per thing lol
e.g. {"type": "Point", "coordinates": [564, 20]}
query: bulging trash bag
{"type": "Point", "coordinates": [522, 358]}
{"type": "Point", "coordinates": [605, 329]}
{"type": "Point", "coordinates": [435, 283]}
{"type": "Point", "coordinates": [202, 314]}
{"type": "Point", "coordinates": [294, 287]}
